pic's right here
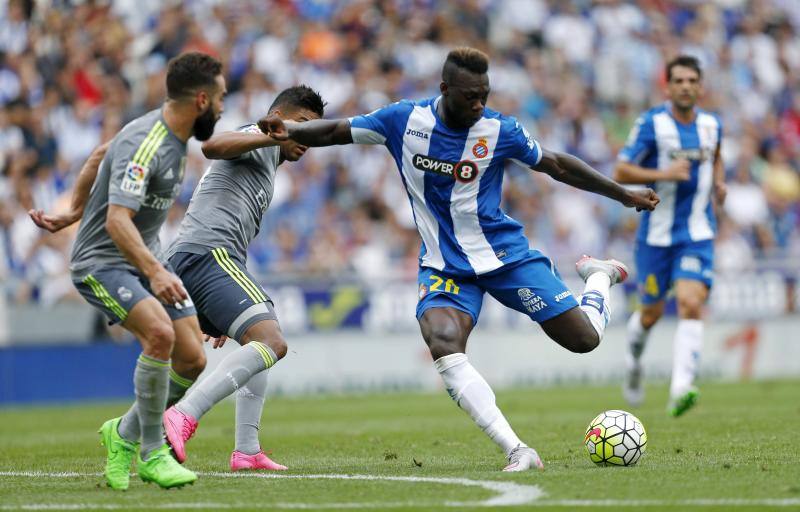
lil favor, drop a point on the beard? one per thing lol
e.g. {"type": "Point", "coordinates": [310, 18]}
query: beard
{"type": "Point", "coordinates": [204, 125]}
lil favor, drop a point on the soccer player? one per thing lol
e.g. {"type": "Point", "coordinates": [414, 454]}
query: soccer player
{"type": "Point", "coordinates": [451, 152]}
{"type": "Point", "coordinates": [674, 147]}
{"type": "Point", "coordinates": [209, 255]}
{"type": "Point", "coordinates": [116, 267]}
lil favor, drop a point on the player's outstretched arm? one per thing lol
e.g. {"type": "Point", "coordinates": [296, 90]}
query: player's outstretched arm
{"type": "Point", "coordinates": [228, 145]}
{"type": "Point", "coordinates": [574, 171]}
{"type": "Point", "coordinates": [678, 170]}
{"type": "Point", "coordinates": [80, 193]}
{"type": "Point", "coordinates": [120, 227]}
{"type": "Point", "coordinates": [314, 133]}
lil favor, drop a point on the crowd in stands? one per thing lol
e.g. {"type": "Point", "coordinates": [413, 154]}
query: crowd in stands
{"type": "Point", "coordinates": [575, 73]}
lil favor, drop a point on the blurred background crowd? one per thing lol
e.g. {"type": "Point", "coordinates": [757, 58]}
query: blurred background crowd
{"type": "Point", "coordinates": [576, 73]}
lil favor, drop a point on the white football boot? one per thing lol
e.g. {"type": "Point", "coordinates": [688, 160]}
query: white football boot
{"type": "Point", "coordinates": [523, 458]}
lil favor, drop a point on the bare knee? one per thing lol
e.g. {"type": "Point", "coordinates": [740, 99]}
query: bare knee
{"type": "Point", "coordinates": [268, 333]}
{"type": "Point", "coordinates": [690, 307]}
{"type": "Point", "coordinates": [443, 338]}
{"type": "Point", "coordinates": [651, 313]}
{"type": "Point", "coordinates": [192, 367]}
{"type": "Point", "coordinates": [585, 341]}
{"type": "Point", "coordinates": [158, 339]}
{"type": "Point", "coordinates": [278, 345]}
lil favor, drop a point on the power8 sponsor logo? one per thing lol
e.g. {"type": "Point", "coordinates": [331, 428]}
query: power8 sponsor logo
{"type": "Point", "coordinates": [463, 171]}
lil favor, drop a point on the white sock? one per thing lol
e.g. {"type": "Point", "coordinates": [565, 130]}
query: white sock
{"type": "Point", "coordinates": [473, 394]}
{"type": "Point", "coordinates": [686, 355]}
{"type": "Point", "coordinates": [594, 301]}
{"type": "Point", "coordinates": [637, 338]}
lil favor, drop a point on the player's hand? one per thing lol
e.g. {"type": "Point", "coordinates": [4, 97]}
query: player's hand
{"type": "Point", "coordinates": [678, 170]}
{"type": "Point", "coordinates": [168, 287]}
{"type": "Point", "coordinates": [720, 192]}
{"type": "Point", "coordinates": [273, 126]}
{"type": "Point", "coordinates": [645, 199]}
{"type": "Point", "coordinates": [52, 223]}
{"type": "Point", "coordinates": [218, 342]}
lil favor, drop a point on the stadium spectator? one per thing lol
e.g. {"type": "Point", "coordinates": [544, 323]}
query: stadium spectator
{"type": "Point", "coordinates": [71, 74]}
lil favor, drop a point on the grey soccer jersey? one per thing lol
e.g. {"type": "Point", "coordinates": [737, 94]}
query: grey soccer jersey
{"type": "Point", "coordinates": [142, 170]}
{"type": "Point", "coordinates": [229, 202]}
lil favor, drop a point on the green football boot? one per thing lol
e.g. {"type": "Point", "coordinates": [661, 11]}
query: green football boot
{"type": "Point", "coordinates": [679, 405]}
{"type": "Point", "coordinates": [119, 455]}
{"type": "Point", "coordinates": [164, 470]}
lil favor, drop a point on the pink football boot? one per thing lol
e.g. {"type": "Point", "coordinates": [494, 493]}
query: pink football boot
{"type": "Point", "coordinates": [240, 461]}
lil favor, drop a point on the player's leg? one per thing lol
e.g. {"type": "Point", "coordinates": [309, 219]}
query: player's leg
{"type": "Point", "coordinates": [692, 274]}
{"type": "Point", "coordinates": [188, 362]}
{"type": "Point", "coordinates": [654, 278]}
{"type": "Point", "coordinates": [188, 357]}
{"type": "Point", "coordinates": [120, 295]}
{"type": "Point", "coordinates": [535, 288]}
{"type": "Point", "coordinates": [638, 332]}
{"type": "Point", "coordinates": [447, 311]}
{"type": "Point", "coordinates": [229, 302]}
{"type": "Point", "coordinates": [250, 400]}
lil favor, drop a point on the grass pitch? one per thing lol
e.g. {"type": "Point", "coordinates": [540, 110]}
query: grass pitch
{"type": "Point", "coordinates": [736, 451]}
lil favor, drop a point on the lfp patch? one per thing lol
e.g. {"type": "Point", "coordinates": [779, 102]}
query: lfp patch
{"type": "Point", "coordinates": [135, 176]}
{"type": "Point", "coordinates": [480, 149]}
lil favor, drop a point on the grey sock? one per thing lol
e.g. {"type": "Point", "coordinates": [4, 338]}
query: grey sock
{"type": "Point", "coordinates": [233, 372]}
{"type": "Point", "coordinates": [249, 405]}
{"type": "Point", "coordinates": [129, 425]}
{"type": "Point", "coordinates": [151, 380]}
{"type": "Point", "coordinates": [177, 387]}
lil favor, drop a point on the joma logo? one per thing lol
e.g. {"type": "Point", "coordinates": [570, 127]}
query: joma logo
{"type": "Point", "coordinates": [417, 133]}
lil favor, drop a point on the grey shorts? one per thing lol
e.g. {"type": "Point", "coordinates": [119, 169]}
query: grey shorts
{"type": "Point", "coordinates": [228, 299]}
{"type": "Point", "coordinates": [115, 291]}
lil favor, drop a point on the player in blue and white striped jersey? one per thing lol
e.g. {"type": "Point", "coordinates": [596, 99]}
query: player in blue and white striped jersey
{"type": "Point", "coordinates": [674, 148]}
{"type": "Point", "coordinates": [451, 152]}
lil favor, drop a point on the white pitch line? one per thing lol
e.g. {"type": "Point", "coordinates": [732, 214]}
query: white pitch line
{"type": "Point", "coordinates": [507, 493]}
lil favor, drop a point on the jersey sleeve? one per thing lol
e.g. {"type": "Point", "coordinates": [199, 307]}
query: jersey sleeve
{"type": "Point", "coordinates": [523, 148]}
{"type": "Point", "coordinates": [130, 172]}
{"type": "Point", "coordinates": [255, 156]}
{"type": "Point", "coordinates": [641, 142]}
{"type": "Point", "coordinates": [377, 126]}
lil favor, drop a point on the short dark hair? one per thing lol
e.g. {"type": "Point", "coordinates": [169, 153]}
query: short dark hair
{"type": "Point", "coordinates": [686, 61]}
{"type": "Point", "coordinates": [189, 72]}
{"type": "Point", "coordinates": [466, 58]}
{"type": "Point", "coordinates": [300, 96]}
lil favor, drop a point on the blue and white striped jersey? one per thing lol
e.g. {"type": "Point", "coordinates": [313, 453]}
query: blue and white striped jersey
{"type": "Point", "coordinates": [454, 180]}
{"type": "Point", "coordinates": [684, 213]}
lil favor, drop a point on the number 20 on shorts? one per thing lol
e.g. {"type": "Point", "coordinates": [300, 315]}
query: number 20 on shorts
{"type": "Point", "coordinates": [450, 286]}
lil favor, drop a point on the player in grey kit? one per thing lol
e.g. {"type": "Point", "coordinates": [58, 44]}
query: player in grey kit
{"type": "Point", "coordinates": [115, 263]}
{"type": "Point", "coordinates": [209, 255]}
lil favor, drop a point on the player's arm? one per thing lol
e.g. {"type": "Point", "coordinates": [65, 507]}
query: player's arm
{"type": "Point", "coordinates": [228, 145]}
{"type": "Point", "coordinates": [80, 193]}
{"type": "Point", "coordinates": [120, 227]}
{"type": "Point", "coordinates": [626, 172]}
{"type": "Point", "coordinates": [577, 173]}
{"type": "Point", "coordinates": [720, 188]}
{"type": "Point", "coordinates": [314, 133]}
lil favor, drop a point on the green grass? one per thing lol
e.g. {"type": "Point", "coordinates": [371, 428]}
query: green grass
{"type": "Point", "coordinates": [740, 443]}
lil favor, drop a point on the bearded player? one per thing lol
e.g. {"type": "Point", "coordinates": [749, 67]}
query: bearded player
{"type": "Point", "coordinates": [116, 263]}
{"type": "Point", "coordinates": [451, 152]}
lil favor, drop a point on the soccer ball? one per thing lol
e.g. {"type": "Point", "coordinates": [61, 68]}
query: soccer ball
{"type": "Point", "coordinates": [615, 438]}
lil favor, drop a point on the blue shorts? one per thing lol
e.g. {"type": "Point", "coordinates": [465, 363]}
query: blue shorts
{"type": "Point", "coordinates": [115, 291]}
{"type": "Point", "coordinates": [657, 268]}
{"type": "Point", "coordinates": [227, 297]}
{"type": "Point", "coordinates": [531, 286]}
